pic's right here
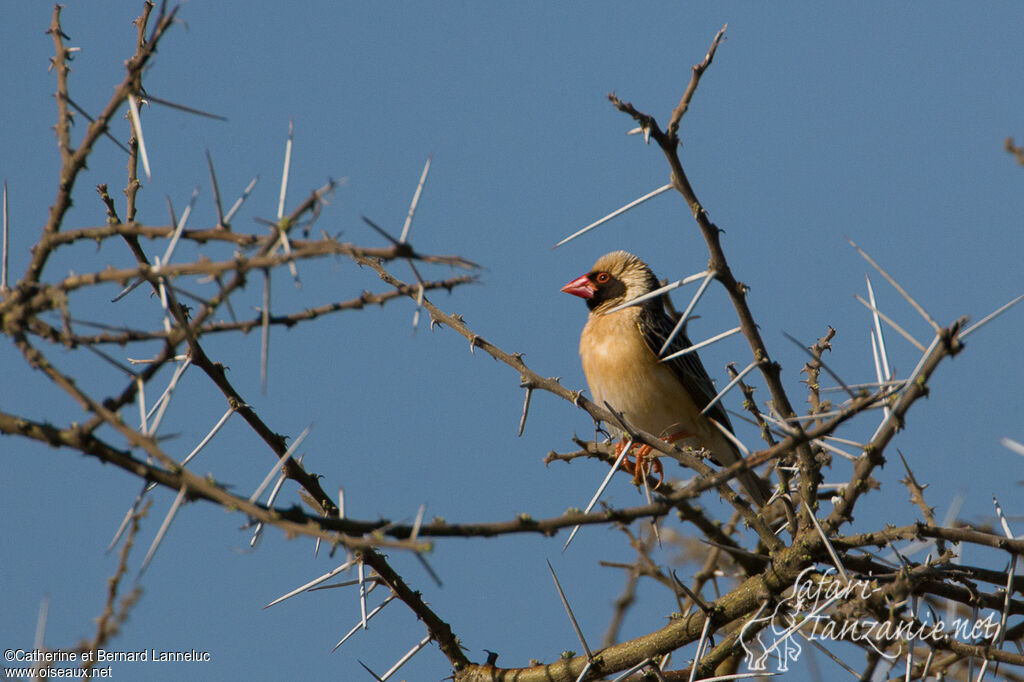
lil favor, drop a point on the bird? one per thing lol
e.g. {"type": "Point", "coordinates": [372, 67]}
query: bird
{"type": "Point", "coordinates": [620, 355]}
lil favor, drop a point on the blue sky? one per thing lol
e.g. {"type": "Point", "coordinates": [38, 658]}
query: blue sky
{"type": "Point", "coordinates": [875, 121]}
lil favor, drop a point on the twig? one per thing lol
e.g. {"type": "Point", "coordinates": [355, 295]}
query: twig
{"type": "Point", "coordinates": [698, 71]}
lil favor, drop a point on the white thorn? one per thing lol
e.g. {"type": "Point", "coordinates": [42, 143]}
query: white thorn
{"type": "Point", "coordinates": [133, 108]}
{"type": "Point", "coordinates": [615, 213]}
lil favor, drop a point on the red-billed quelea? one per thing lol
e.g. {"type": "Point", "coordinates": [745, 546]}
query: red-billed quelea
{"type": "Point", "coordinates": [620, 359]}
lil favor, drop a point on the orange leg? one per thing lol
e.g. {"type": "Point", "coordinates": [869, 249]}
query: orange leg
{"type": "Point", "coordinates": [645, 462]}
{"type": "Point", "coordinates": [642, 464]}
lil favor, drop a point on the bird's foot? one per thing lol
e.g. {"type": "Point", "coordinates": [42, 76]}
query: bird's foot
{"type": "Point", "coordinates": [645, 461]}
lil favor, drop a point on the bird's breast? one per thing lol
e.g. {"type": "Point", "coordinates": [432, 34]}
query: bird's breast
{"type": "Point", "coordinates": [624, 372]}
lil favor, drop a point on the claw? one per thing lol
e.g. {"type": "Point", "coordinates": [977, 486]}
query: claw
{"type": "Point", "coordinates": [645, 461]}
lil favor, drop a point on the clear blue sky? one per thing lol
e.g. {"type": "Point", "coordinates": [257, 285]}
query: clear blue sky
{"type": "Point", "coordinates": [877, 121]}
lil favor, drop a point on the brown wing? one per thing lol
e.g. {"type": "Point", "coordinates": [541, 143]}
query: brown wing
{"type": "Point", "coordinates": [656, 327]}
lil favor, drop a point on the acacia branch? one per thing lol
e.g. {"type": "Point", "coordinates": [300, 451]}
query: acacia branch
{"type": "Point", "coordinates": [946, 345]}
{"type": "Point", "coordinates": [170, 474]}
{"type": "Point", "coordinates": [698, 70]}
{"type": "Point", "coordinates": [717, 263]}
{"type": "Point", "coordinates": [121, 336]}
{"type": "Point", "coordinates": [531, 379]}
{"type": "Point", "coordinates": [73, 163]}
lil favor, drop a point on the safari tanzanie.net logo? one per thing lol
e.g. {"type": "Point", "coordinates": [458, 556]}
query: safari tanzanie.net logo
{"type": "Point", "coordinates": [803, 615]}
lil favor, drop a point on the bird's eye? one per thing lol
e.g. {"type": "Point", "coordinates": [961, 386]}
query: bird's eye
{"type": "Point", "coordinates": [602, 278]}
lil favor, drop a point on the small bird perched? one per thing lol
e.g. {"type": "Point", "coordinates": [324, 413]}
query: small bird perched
{"type": "Point", "coordinates": [620, 359]}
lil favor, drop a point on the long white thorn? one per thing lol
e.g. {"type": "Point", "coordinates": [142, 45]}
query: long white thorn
{"type": "Point", "coordinates": [213, 432]}
{"type": "Point", "coordinates": [171, 513]}
{"type": "Point", "coordinates": [179, 228]}
{"type": "Point", "coordinates": [885, 318]}
{"type": "Point", "coordinates": [283, 239]}
{"type": "Point", "coordinates": [728, 386]}
{"type": "Point", "coordinates": [1002, 518]}
{"type": "Point", "coordinates": [700, 647]}
{"type": "Point", "coordinates": [882, 372]}
{"type": "Point", "coordinates": [686, 314]}
{"type": "Point", "coordinates": [133, 108]}
{"type": "Point", "coordinates": [286, 243]}
{"type": "Point", "coordinates": [6, 247]}
{"type": "Point", "coordinates": [165, 399]}
{"type": "Point", "coordinates": [1012, 445]}
{"type": "Point", "coordinates": [568, 609]}
{"type": "Point", "coordinates": [635, 669]}
{"type": "Point", "coordinates": [362, 592]}
{"type": "Point", "coordinates": [312, 583]}
{"type": "Point", "coordinates": [991, 316]}
{"type": "Point", "coordinates": [420, 293]}
{"type": "Point", "coordinates": [405, 659]}
{"type": "Point", "coordinates": [583, 673]}
{"type": "Point", "coordinates": [600, 489]}
{"type": "Point", "coordinates": [417, 522]}
{"type": "Point", "coordinates": [878, 331]}
{"type": "Point", "coordinates": [740, 676]}
{"type": "Point", "coordinates": [615, 213]}
{"type": "Point", "coordinates": [287, 169]}
{"type": "Point", "coordinates": [659, 291]}
{"type": "Point", "coordinates": [127, 290]}
{"type": "Point", "coordinates": [832, 448]}
{"type": "Point", "coordinates": [415, 201]}
{"type": "Point", "coordinates": [141, 388]}
{"type": "Point", "coordinates": [873, 385]}
{"type": "Point", "coordinates": [1008, 591]}
{"type": "Point", "coordinates": [359, 626]}
{"type": "Point", "coordinates": [270, 503]}
{"type": "Point", "coordinates": [44, 613]}
{"type": "Point", "coordinates": [731, 437]}
{"type": "Point", "coordinates": [917, 306]}
{"type": "Point", "coordinates": [240, 200]}
{"type": "Point", "coordinates": [162, 290]}
{"type": "Point", "coordinates": [146, 487]}
{"type": "Point", "coordinates": [265, 333]}
{"type": "Point", "coordinates": [171, 385]}
{"type": "Point", "coordinates": [279, 464]}
{"type": "Point", "coordinates": [912, 377]}
{"type": "Point", "coordinates": [878, 366]}
{"type": "Point", "coordinates": [698, 346]}
{"type": "Point", "coordinates": [828, 545]}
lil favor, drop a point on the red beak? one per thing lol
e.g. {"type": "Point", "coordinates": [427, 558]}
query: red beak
{"type": "Point", "coordinates": [581, 286]}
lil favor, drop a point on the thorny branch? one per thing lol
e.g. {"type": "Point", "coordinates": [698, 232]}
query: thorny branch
{"type": "Point", "coordinates": [809, 543]}
{"type": "Point", "coordinates": [39, 311]}
{"type": "Point", "coordinates": [23, 307]}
